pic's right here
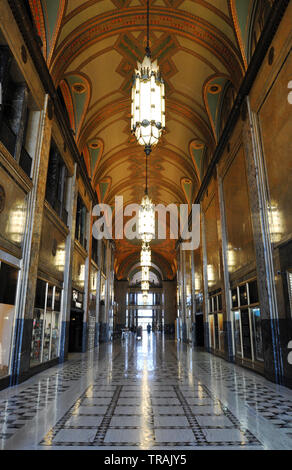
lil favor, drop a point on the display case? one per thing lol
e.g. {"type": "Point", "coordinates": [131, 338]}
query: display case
{"type": "Point", "coordinates": [247, 322]}
{"type": "Point", "coordinates": [46, 323]}
{"type": "Point", "coordinates": [37, 336]}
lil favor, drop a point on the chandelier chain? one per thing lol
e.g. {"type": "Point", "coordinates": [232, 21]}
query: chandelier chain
{"type": "Point", "coordinates": [146, 189]}
{"type": "Point", "coordinates": [148, 52]}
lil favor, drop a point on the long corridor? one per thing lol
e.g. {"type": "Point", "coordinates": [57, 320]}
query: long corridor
{"type": "Point", "coordinates": [150, 394]}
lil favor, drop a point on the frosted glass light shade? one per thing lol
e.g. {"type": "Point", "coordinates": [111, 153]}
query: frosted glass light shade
{"type": "Point", "coordinates": [148, 103]}
{"type": "Point", "coordinates": [145, 285]}
{"type": "Point", "coordinates": [145, 257]}
{"type": "Point", "coordinates": [145, 273]}
{"type": "Point", "coordinates": [146, 221]}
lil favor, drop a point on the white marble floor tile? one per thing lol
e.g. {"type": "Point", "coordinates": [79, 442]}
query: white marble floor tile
{"type": "Point", "coordinates": [174, 435]}
{"type": "Point", "coordinates": [91, 410]}
{"type": "Point", "coordinates": [123, 435]}
{"type": "Point", "coordinates": [213, 421]}
{"type": "Point", "coordinates": [168, 410]}
{"type": "Point", "coordinates": [80, 420]}
{"type": "Point", "coordinates": [224, 435]}
{"type": "Point", "coordinates": [75, 435]}
{"type": "Point", "coordinates": [171, 421]}
{"type": "Point", "coordinates": [123, 421]}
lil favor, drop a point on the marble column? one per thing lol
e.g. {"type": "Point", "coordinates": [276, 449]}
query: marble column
{"type": "Point", "coordinates": [31, 248]}
{"type": "Point", "coordinates": [67, 293]}
{"type": "Point", "coordinates": [205, 283]}
{"type": "Point", "coordinates": [273, 360]}
{"type": "Point", "coordinates": [227, 325]}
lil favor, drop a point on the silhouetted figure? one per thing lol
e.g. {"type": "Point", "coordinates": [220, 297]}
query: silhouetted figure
{"type": "Point", "coordinates": [148, 328]}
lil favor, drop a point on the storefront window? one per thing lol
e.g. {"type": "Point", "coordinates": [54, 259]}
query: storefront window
{"type": "Point", "coordinates": [234, 298]}
{"type": "Point", "coordinates": [243, 295]}
{"type": "Point", "coordinates": [258, 340]}
{"type": "Point", "coordinates": [37, 336]}
{"type": "Point", "coordinates": [8, 285]}
{"type": "Point", "coordinates": [55, 335]}
{"type": "Point", "coordinates": [47, 336]}
{"type": "Point", "coordinates": [215, 308]}
{"type": "Point", "coordinates": [253, 292]}
{"type": "Point", "coordinates": [46, 323]}
{"type": "Point", "coordinates": [237, 338]}
{"type": "Point", "coordinates": [246, 334]}
{"type": "Point", "coordinates": [55, 324]}
{"type": "Point", "coordinates": [247, 322]}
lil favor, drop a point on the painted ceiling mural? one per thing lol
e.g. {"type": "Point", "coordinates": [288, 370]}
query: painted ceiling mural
{"type": "Point", "coordinates": [91, 48]}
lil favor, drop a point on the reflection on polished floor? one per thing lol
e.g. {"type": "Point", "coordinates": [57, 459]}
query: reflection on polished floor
{"type": "Point", "coordinates": [149, 394]}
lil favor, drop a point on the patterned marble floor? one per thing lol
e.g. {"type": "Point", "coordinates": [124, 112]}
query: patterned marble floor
{"type": "Point", "coordinates": [150, 394]}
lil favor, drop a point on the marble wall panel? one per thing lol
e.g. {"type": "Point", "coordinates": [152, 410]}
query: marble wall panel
{"type": "Point", "coordinates": [237, 212]}
{"type": "Point", "coordinates": [212, 245]}
{"type": "Point", "coordinates": [52, 249]}
{"type": "Point", "coordinates": [276, 130]}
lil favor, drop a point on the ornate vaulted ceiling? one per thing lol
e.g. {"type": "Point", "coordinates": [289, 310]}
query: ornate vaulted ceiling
{"type": "Point", "coordinates": [91, 48]}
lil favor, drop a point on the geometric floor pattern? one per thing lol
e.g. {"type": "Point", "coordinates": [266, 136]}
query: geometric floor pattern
{"type": "Point", "coordinates": [150, 394]}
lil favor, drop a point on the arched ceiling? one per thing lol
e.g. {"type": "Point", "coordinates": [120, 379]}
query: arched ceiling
{"type": "Point", "coordinates": [92, 47]}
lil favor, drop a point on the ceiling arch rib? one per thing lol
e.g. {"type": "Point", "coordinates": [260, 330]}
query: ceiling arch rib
{"type": "Point", "coordinates": [133, 19]}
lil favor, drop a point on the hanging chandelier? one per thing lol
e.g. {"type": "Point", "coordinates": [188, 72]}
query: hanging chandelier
{"type": "Point", "coordinates": [145, 273]}
{"type": "Point", "coordinates": [145, 257]}
{"type": "Point", "coordinates": [146, 221]}
{"type": "Point", "coordinates": [148, 100]}
{"type": "Point", "coordinates": [145, 285]}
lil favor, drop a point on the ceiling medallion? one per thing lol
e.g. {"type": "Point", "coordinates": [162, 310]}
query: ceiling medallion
{"type": "Point", "coordinates": [214, 89]}
{"type": "Point", "coordinates": [79, 88]}
{"type": "Point", "coordinates": [198, 145]}
{"type": "Point", "coordinates": [2, 199]}
{"type": "Point", "coordinates": [94, 145]}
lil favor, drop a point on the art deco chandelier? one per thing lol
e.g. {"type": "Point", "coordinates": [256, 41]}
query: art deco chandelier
{"type": "Point", "coordinates": [148, 100]}
{"type": "Point", "coordinates": [147, 124]}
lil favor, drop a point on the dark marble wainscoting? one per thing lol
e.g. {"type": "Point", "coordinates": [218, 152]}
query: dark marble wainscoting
{"type": "Point", "coordinates": [229, 353]}
{"type": "Point", "coordinates": [118, 327]}
{"type": "Point", "coordinates": [184, 332]}
{"type": "Point", "coordinates": [206, 331]}
{"type": "Point", "coordinates": [103, 332]}
{"type": "Point", "coordinates": [272, 362]}
{"type": "Point", "coordinates": [194, 334]}
{"type": "Point", "coordinates": [96, 337]}
{"type": "Point", "coordinates": [84, 337]}
{"type": "Point", "coordinates": [64, 344]}
{"type": "Point", "coordinates": [169, 329]}
{"type": "Point", "coordinates": [285, 328]}
{"type": "Point", "coordinates": [5, 382]}
{"type": "Point", "coordinates": [21, 351]}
